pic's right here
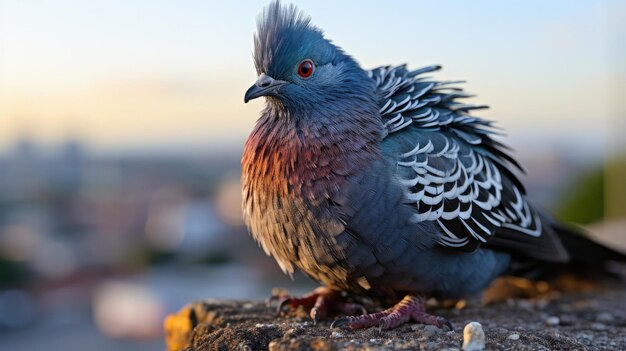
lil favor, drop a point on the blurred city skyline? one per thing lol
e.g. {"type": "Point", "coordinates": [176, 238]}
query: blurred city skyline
{"type": "Point", "coordinates": [125, 76]}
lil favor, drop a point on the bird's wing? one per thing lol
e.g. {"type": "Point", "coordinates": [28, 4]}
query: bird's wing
{"type": "Point", "coordinates": [455, 173]}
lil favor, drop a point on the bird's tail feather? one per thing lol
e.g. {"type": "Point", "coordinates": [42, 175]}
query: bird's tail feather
{"type": "Point", "coordinates": [583, 249]}
{"type": "Point", "coordinates": [587, 257]}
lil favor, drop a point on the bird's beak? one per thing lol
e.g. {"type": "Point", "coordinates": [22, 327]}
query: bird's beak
{"type": "Point", "coordinates": [264, 86]}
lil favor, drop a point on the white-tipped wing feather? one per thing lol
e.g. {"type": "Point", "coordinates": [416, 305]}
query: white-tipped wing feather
{"type": "Point", "coordinates": [453, 171]}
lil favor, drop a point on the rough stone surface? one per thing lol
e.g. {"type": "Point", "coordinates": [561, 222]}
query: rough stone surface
{"type": "Point", "coordinates": [590, 320]}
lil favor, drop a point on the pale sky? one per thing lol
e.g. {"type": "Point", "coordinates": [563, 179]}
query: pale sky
{"type": "Point", "coordinates": [125, 75]}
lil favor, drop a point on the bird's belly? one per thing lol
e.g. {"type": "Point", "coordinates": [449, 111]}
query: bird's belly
{"type": "Point", "coordinates": [398, 264]}
{"type": "Point", "coordinates": [398, 260]}
{"type": "Point", "coordinates": [297, 233]}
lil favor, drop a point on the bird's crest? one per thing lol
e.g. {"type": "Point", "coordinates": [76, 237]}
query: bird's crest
{"type": "Point", "coordinates": [283, 32]}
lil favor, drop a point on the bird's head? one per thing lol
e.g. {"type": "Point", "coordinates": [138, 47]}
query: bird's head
{"type": "Point", "coordinates": [299, 68]}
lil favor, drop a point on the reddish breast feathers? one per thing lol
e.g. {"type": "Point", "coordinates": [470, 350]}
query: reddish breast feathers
{"type": "Point", "coordinates": [284, 162]}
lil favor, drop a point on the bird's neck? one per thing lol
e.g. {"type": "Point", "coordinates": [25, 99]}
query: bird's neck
{"type": "Point", "coordinates": [311, 156]}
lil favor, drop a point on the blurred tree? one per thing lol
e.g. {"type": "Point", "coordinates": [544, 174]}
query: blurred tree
{"type": "Point", "coordinates": [583, 200]}
{"type": "Point", "coordinates": [597, 194]}
{"type": "Point", "coordinates": [615, 189]}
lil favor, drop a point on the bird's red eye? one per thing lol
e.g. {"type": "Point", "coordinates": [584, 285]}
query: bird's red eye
{"type": "Point", "coordinates": [305, 69]}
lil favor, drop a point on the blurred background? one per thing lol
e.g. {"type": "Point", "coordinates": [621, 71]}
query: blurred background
{"type": "Point", "coordinates": [122, 125]}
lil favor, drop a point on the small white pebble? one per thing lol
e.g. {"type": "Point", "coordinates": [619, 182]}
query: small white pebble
{"type": "Point", "coordinates": [473, 337]}
{"type": "Point", "coordinates": [336, 334]}
{"type": "Point", "coordinates": [552, 321]}
{"type": "Point", "coordinates": [513, 336]}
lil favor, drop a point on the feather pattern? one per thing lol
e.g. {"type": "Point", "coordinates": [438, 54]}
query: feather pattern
{"type": "Point", "coordinates": [453, 171]}
{"type": "Point", "coordinates": [380, 176]}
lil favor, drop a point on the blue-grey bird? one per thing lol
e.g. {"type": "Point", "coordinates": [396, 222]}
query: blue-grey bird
{"type": "Point", "coordinates": [381, 182]}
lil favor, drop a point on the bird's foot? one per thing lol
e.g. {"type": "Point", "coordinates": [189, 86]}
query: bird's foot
{"type": "Point", "coordinates": [410, 308]}
{"type": "Point", "coordinates": [321, 302]}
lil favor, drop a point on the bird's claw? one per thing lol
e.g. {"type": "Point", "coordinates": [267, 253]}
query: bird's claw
{"type": "Point", "coordinates": [320, 303]}
{"type": "Point", "coordinates": [449, 325]}
{"type": "Point", "coordinates": [340, 322]}
{"type": "Point", "coordinates": [281, 305]}
{"type": "Point", "coordinates": [382, 325]}
{"type": "Point", "coordinates": [315, 314]}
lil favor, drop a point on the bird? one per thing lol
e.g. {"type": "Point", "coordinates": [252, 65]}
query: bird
{"type": "Point", "coordinates": [383, 183]}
